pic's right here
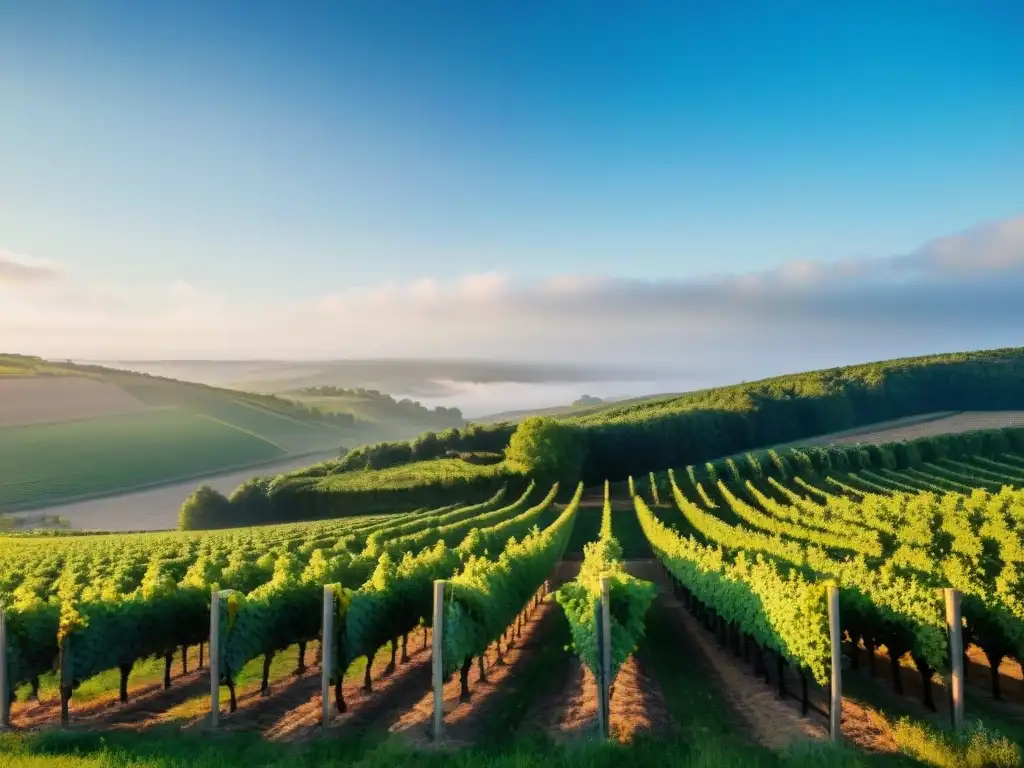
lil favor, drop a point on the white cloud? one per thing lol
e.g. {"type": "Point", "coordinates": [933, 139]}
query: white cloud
{"type": "Point", "coordinates": [955, 292]}
{"type": "Point", "coordinates": [989, 247]}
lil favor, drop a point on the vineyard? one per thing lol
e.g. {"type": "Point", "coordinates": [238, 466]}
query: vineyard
{"type": "Point", "coordinates": [691, 605]}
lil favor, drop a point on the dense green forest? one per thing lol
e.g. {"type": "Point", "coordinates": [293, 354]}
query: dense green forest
{"type": "Point", "coordinates": [674, 431]}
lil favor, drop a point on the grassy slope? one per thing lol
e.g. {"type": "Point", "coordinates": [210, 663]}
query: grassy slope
{"type": "Point", "coordinates": [196, 430]}
{"type": "Point", "coordinates": [292, 433]}
{"type": "Point", "coordinates": [271, 419]}
{"type": "Point", "coordinates": [49, 463]}
{"type": "Point", "coordinates": [413, 475]}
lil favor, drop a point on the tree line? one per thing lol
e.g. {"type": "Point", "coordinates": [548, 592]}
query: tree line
{"type": "Point", "coordinates": [632, 439]}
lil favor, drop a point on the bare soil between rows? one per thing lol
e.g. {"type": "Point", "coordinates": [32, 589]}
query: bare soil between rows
{"type": "Point", "coordinates": [770, 720]}
{"type": "Point", "coordinates": [106, 709]}
{"type": "Point", "coordinates": [465, 720]}
{"type": "Point", "coordinates": [291, 710]}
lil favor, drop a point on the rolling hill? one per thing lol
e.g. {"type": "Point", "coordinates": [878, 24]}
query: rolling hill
{"type": "Point", "coordinates": [642, 435]}
{"type": "Point", "coordinates": [392, 418]}
{"type": "Point", "coordinates": [70, 432]}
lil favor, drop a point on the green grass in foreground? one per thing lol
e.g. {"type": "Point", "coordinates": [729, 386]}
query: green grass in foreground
{"type": "Point", "coordinates": [48, 463]}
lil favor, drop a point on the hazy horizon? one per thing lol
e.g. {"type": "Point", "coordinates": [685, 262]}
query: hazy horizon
{"type": "Point", "coordinates": [725, 195]}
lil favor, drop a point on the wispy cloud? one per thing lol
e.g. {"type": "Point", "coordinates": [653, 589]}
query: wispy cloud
{"type": "Point", "coordinates": [959, 291]}
{"type": "Point", "coordinates": [17, 269]}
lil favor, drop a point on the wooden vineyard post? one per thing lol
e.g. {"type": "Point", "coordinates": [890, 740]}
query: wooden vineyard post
{"type": "Point", "coordinates": [5, 698]}
{"type": "Point", "coordinates": [436, 660]}
{"type": "Point", "coordinates": [65, 683]}
{"type": "Point", "coordinates": [326, 655]}
{"type": "Point", "coordinates": [954, 626]}
{"type": "Point", "coordinates": [836, 708]}
{"type": "Point", "coordinates": [604, 650]}
{"type": "Point", "coordinates": [214, 659]}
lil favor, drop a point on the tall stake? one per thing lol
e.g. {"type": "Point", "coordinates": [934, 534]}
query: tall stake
{"type": "Point", "coordinates": [599, 630]}
{"type": "Point", "coordinates": [836, 709]}
{"type": "Point", "coordinates": [436, 660]}
{"type": "Point", "coordinates": [214, 659]}
{"type": "Point", "coordinates": [326, 655]}
{"type": "Point", "coordinates": [606, 655]}
{"type": "Point", "coordinates": [5, 697]}
{"type": "Point", "coordinates": [954, 626]}
{"type": "Point", "coordinates": [66, 681]}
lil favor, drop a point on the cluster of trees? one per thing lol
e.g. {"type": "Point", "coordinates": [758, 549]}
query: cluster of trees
{"type": "Point", "coordinates": [588, 400]}
{"type": "Point", "coordinates": [548, 451]}
{"type": "Point", "coordinates": [475, 438]}
{"type": "Point", "coordinates": [404, 408]}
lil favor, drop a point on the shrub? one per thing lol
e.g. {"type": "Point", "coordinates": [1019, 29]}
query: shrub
{"type": "Point", "coordinates": [205, 508]}
{"type": "Point", "coordinates": [546, 449]}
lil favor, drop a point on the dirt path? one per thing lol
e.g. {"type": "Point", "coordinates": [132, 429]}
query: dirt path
{"type": "Point", "coordinates": [465, 721]}
{"type": "Point", "coordinates": [978, 686]}
{"type": "Point", "coordinates": [144, 698]}
{"type": "Point", "coordinates": [392, 694]}
{"type": "Point", "coordinates": [772, 722]}
{"type": "Point", "coordinates": [637, 705]}
{"type": "Point", "coordinates": [637, 701]}
{"type": "Point", "coordinates": [290, 711]}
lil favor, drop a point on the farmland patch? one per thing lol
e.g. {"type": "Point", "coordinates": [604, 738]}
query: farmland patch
{"type": "Point", "coordinates": [48, 399]}
{"type": "Point", "coordinates": [49, 463]}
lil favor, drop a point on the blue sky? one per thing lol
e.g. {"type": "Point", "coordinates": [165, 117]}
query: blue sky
{"type": "Point", "coordinates": [251, 158]}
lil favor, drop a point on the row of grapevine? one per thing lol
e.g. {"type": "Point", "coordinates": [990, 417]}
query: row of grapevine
{"type": "Point", "coordinates": [922, 537]}
{"type": "Point", "coordinates": [389, 603]}
{"type": "Point", "coordinates": [484, 599]}
{"type": "Point", "coordinates": [88, 613]}
{"type": "Point", "coordinates": [901, 612]}
{"type": "Point", "coordinates": [779, 608]}
{"type": "Point", "coordinates": [963, 541]}
{"type": "Point", "coordinates": [581, 600]}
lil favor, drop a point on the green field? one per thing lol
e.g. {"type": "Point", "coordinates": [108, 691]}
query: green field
{"type": "Point", "coordinates": [139, 431]}
{"type": "Point", "coordinates": [408, 476]}
{"type": "Point", "coordinates": [290, 431]}
{"type": "Point", "coordinates": [50, 463]}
